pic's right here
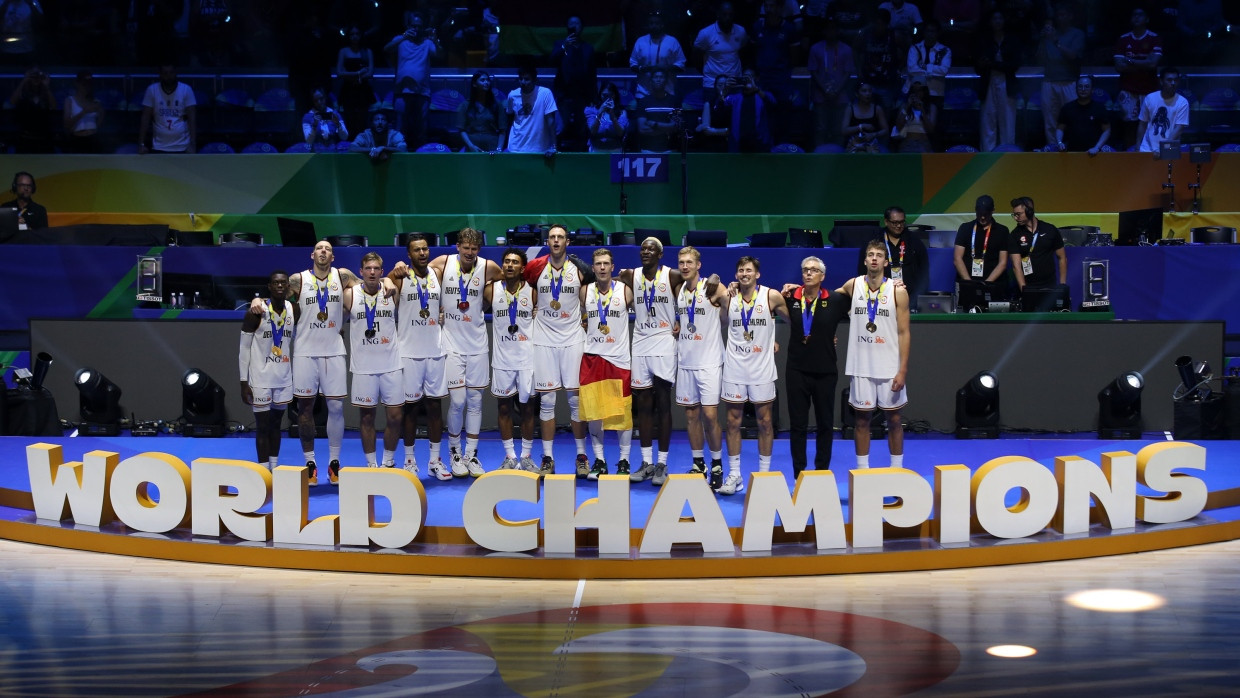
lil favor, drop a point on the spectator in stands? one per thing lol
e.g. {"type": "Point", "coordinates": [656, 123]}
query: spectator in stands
{"type": "Point", "coordinates": [929, 62]}
{"type": "Point", "coordinates": [83, 116]}
{"type": "Point", "coordinates": [481, 119]}
{"type": "Point", "coordinates": [656, 49]}
{"type": "Point", "coordinates": [985, 242]}
{"type": "Point", "coordinates": [310, 57]}
{"type": "Point", "coordinates": [1137, 55]}
{"type": "Point", "coordinates": [322, 126]}
{"type": "Point", "coordinates": [876, 51]}
{"type": "Point", "coordinates": [1059, 51]}
{"type": "Point", "coordinates": [411, 52]}
{"type": "Point", "coordinates": [658, 116]}
{"type": "Point", "coordinates": [607, 121]}
{"type": "Point", "coordinates": [998, 58]}
{"type": "Point", "coordinates": [30, 215]}
{"type": "Point", "coordinates": [32, 102]}
{"type": "Point", "coordinates": [916, 121]}
{"type": "Point", "coordinates": [865, 123]}
{"type": "Point", "coordinates": [1164, 113]}
{"type": "Point", "coordinates": [904, 18]}
{"type": "Point", "coordinates": [18, 21]}
{"type": "Point", "coordinates": [531, 116]}
{"type": "Point", "coordinates": [749, 107]}
{"type": "Point", "coordinates": [576, 83]}
{"type": "Point", "coordinates": [1083, 124]}
{"type": "Point", "coordinates": [169, 105]}
{"type": "Point", "coordinates": [775, 38]}
{"type": "Point", "coordinates": [830, 70]}
{"type": "Point", "coordinates": [719, 47]}
{"type": "Point", "coordinates": [714, 129]}
{"type": "Point", "coordinates": [380, 140]}
{"type": "Point", "coordinates": [355, 64]}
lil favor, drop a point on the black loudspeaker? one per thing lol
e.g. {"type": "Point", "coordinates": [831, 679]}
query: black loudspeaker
{"type": "Point", "coordinates": [1199, 420]}
{"type": "Point", "coordinates": [848, 419]}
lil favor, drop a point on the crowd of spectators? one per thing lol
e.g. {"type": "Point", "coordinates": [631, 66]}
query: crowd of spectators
{"type": "Point", "coordinates": [877, 70]}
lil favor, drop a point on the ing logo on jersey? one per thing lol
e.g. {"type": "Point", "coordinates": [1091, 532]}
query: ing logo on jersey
{"type": "Point", "coordinates": [636, 649]}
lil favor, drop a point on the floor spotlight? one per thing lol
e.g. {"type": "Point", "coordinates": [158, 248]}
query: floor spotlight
{"type": "Point", "coordinates": [99, 403]}
{"type": "Point", "coordinates": [1194, 380]}
{"type": "Point", "coordinates": [202, 404]}
{"type": "Point", "coordinates": [1119, 407]}
{"type": "Point", "coordinates": [977, 408]}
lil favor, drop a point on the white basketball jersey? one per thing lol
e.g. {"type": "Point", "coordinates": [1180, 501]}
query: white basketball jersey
{"type": "Point", "coordinates": [317, 337]}
{"type": "Point", "coordinates": [750, 361]}
{"type": "Point", "coordinates": [464, 331]}
{"type": "Point", "coordinates": [268, 369]}
{"type": "Point", "coordinates": [614, 343]}
{"type": "Point", "coordinates": [421, 336]}
{"type": "Point", "coordinates": [511, 351]}
{"type": "Point", "coordinates": [378, 353]}
{"type": "Point", "coordinates": [558, 327]}
{"type": "Point", "coordinates": [873, 354]}
{"type": "Point", "coordinates": [700, 344]}
{"type": "Point", "coordinates": [655, 313]}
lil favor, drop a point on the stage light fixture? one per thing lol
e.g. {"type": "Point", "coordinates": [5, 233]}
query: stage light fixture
{"type": "Point", "coordinates": [42, 362]}
{"type": "Point", "coordinates": [977, 407]}
{"type": "Point", "coordinates": [1119, 407]}
{"type": "Point", "coordinates": [202, 404]}
{"type": "Point", "coordinates": [1194, 380]}
{"type": "Point", "coordinates": [99, 403]}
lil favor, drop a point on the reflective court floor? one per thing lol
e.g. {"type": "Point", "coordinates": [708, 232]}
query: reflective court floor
{"type": "Point", "coordinates": [1148, 624]}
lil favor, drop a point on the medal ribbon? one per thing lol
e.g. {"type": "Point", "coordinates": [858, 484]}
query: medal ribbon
{"type": "Point", "coordinates": [693, 300]}
{"type": "Point", "coordinates": [369, 304]}
{"type": "Point", "coordinates": [423, 296]}
{"type": "Point", "coordinates": [512, 304]}
{"type": "Point", "coordinates": [753, 305]}
{"type": "Point", "coordinates": [648, 294]}
{"type": "Point", "coordinates": [277, 328]}
{"type": "Point", "coordinates": [320, 292]}
{"type": "Point", "coordinates": [871, 301]}
{"type": "Point", "coordinates": [807, 313]}
{"type": "Point", "coordinates": [604, 301]}
{"type": "Point", "coordinates": [557, 283]}
{"type": "Point", "coordinates": [462, 281]}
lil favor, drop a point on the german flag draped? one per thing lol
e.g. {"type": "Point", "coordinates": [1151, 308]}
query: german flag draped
{"type": "Point", "coordinates": [605, 393]}
{"type": "Point", "coordinates": [531, 27]}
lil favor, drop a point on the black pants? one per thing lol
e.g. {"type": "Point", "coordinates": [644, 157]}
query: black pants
{"type": "Point", "coordinates": [804, 390]}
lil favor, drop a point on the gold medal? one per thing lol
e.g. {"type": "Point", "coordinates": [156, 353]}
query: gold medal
{"type": "Point", "coordinates": [424, 313]}
{"type": "Point", "coordinates": [604, 329]}
{"type": "Point", "coordinates": [555, 305]}
{"type": "Point", "coordinates": [322, 316]}
{"type": "Point", "coordinates": [805, 339]}
{"type": "Point", "coordinates": [276, 351]}
{"type": "Point", "coordinates": [871, 327]}
{"type": "Point", "coordinates": [749, 336]}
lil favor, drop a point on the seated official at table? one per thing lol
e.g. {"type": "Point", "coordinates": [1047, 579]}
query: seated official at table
{"type": "Point", "coordinates": [30, 215]}
{"type": "Point", "coordinates": [907, 257]}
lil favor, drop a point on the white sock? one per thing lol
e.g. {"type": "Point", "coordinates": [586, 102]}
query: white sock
{"type": "Point", "coordinates": [454, 442]}
{"type": "Point", "coordinates": [309, 456]}
{"type": "Point", "coordinates": [696, 453]}
{"type": "Point", "coordinates": [549, 448]}
{"type": "Point", "coordinates": [897, 460]}
{"type": "Point", "coordinates": [626, 443]}
{"type": "Point", "coordinates": [764, 464]}
{"type": "Point", "coordinates": [409, 453]}
{"type": "Point", "coordinates": [471, 446]}
{"type": "Point", "coordinates": [647, 454]}
{"type": "Point", "coordinates": [663, 457]}
{"type": "Point", "coordinates": [388, 456]}
{"type": "Point", "coordinates": [508, 449]}
{"type": "Point", "coordinates": [435, 450]}
{"type": "Point", "coordinates": [863, 461]}
{"type": "Point", "coordinates": [370, 459]}
{"type": "Point", "coordinates": [581, 447]}
{"type": "Point", "coordinates": [333, 453]}
{"type": "Point", "coordinates": [272, 464]}
{"type": "Point", "coordinates": [716, 455]}
{"type": "Point", "coordinates": [527, 447]}
{"type": "Point", "coordinates": [734, 465]}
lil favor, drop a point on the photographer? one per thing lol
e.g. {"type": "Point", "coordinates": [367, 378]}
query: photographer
{"type": "Point", "coordinates": [743, 116]}
{"type": "Point", "coordinates": [916, 121]}
{"type": "Point", "coordinates": [411, 52]}
{"type": "Point", "coordinates": [575, 84]}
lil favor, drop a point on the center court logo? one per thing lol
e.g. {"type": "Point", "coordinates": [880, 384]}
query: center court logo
{"type": "Point", "coordinates": [636, 649]}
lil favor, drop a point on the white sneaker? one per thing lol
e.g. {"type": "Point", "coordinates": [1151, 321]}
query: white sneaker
{"type": "Point", "coordinates": [389, 464]}
{"type": "Point", "coordinates": [732, 485]}
{"type": "Point", "coordinates": [439, 470]}
{"type": "Point", "coordinates": [510, 463]}
{"type": "Point", "coordinates": [372, 465]}
{"type": "Point", "coordinates": [411, 466]}
{"type": "Point", "coordinates": [473, 467]}
{"type": "Point", "coordinates": [528, 465]}
{"type": "Point", "coordinates": [458, 465]}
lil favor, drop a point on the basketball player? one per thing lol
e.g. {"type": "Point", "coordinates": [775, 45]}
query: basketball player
{"type": "Point", "coordinates": [422, 355]}
{"type": "Point", "coordinates": [699, 354]}
{"type": "Point", "coordinates": [266, 366]}
{"type": "Point", "coordinates": [374, 359]}
{"type": "Point", "coordinates": [606, 393]}
{"type": "Point", "coordinates": [878, 347]}
{"type": "Point", "coordinates": [749, 372]}
{"type": "Point", "coordinates": [512, 303]}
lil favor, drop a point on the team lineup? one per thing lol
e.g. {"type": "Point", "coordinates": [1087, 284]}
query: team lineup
{"type": "Point", "coordinates": [418, 334]}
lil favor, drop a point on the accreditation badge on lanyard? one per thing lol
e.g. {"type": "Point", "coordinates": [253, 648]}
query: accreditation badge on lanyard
{"type": "Point", "coordinates": [897, 272]}
{"type": "Point", "coordinates": [979, 262]}
{"type": "Point", "coordinates": [1026, 264]}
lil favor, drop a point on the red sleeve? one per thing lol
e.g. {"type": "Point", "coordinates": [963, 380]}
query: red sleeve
{"type": "Point", "coordinates": [534, 268]}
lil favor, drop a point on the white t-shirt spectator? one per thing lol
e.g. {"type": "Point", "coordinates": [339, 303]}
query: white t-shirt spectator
{"type": "Point", "coordinates": [169, 116]}
{"type": "Point", "coordinates": [723, 52]}
{"type": "Point", "coordinates": [529, 132]}
{"type": "Point", "coordinates": [903, 18]}
{"type": "Point", "coordinates": [1162, 117]}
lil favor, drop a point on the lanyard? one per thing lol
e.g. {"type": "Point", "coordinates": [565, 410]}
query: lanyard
{"type": "Point", "coordinates": [557, 282]}
{"type": "Point", "coordinates": [692, 304]}
{"type": "Point", "coordinates": [891, 253]}
{"type": "Point", "coordinates": [369, 303]}
{"type": "Point", "coordinates": [745, 316]}
{"type": "Point", "coordinates": [320, 292]}
{"type": "Point", "coordinates": [985, 241]}
{"type": "Point", "coordinates": [277, 324]}
{"type": "Point", "coordinates": [807, 313]}
{"type": "Point", "coordinates": [512, 302]}
{"type": "Point", "coordinates": [648, 291]}
{"type": "Point", "coordinates": [603, 302]}
{"type": "Point", "coordinates": [423, 296]}
{"type": "Point", "coordinates": [871, 301]}
{"type": "Point", "coordinates": [463, 282]}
